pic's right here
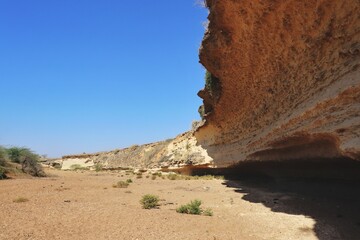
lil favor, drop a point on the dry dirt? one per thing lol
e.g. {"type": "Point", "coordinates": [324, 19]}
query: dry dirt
{"type": "Point", "coordinates": [84, 205]}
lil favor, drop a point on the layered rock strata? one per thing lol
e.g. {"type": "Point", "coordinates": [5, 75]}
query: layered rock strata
{"type": "Point", "coordinates": [177, 152]}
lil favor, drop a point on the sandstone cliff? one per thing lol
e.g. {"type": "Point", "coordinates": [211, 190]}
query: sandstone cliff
{"type": "Point", "coordinates": [177, 152]}
{"type": "Point", "coordinates": [284, 82]}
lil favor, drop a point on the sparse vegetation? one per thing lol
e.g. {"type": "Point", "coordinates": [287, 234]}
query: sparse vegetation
{"type": "Point", "coordinates": [191, 208]}
{"type": "Point", "coordinates": [201, 112]}
{"type": "Point", "coordinates": [121, 184]}
{"type": "Point", "coordinates": [194, 208]}
{"type": "Point", "coordinates": [3, 158]}
{"type": "Point", "coordinates": [129, 180]}
{"type": "Point", "coordinates": [139, 175]}
{"type": "Point", "coordinates": [2, 173]}
{"type": "Point", "coordinates": [14, 154]}
{"type": "Point", "coordinates": [76, 167]}
{"type": "Point", "coordinates": [149, 201]}
{"type": "Point", "coordinates": [32, 167]}
{"type": "Point", "coordinates": [20, 200]}
{"type": "Point", "coordinates": [23, 156]}
{"type": "Point", "coordinates": [210, 177]}
{"type": "Point", "coordinates": [220, 177]}
{"type": "Point", "coordinates": [195, 124]}
{"type": "Point", "coordinates": [212, 85]}
{"type": "Point", "coordinates": [98, 167]}
{"type": "Point", "coordinates": [19, 154]}
{"type": "Point", "coordinates": [172, 176]}
{"type": "Point", "coordinates": [208, 212]}
{"type": "Point", "coordinates": [159, 174]}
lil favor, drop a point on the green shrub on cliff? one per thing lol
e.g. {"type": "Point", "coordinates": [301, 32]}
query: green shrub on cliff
{"type": "Point", "coordinates": [212, 84]}
{"type": "Point", "coordinates": [98, 167]}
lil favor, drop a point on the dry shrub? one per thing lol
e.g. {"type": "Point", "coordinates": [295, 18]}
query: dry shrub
{"type": "Point", "coordinates": [121, 184]}
{"type": "Point", "coordinates": [149, 201]}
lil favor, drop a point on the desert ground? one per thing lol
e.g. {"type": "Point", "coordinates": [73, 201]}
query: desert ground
{"type": "Point", "coordinates": [84, 205]}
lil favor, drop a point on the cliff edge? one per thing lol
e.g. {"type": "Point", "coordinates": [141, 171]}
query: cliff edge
{"type": "Point", "coordinates": [172, 153]}
{"type": "Point", "coordinates": [283, 81]}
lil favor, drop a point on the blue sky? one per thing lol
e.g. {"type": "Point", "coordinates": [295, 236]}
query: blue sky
{"type": "Point", "coordinates": [95, 75]}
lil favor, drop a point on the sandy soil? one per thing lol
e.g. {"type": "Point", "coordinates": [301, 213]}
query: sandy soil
{"type": "Point", "coordinates": [84, 205]}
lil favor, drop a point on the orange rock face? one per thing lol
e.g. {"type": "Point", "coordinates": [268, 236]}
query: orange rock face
{"type": "Point", "coordinates": [290, 80]}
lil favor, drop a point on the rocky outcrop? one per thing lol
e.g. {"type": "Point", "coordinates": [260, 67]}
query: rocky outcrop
{"type": "Point", "coordinates": [177, 152]}
{"type": "Point", "coordinates": [288, 80]}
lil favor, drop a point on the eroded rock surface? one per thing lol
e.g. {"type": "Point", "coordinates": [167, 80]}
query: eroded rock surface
{"type": "Point", "coordinates": [289, 74]}
{"type": "Point", "coordinates": [177, 152]}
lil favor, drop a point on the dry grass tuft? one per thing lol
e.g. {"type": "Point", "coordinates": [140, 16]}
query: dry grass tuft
{"type": "Point", "coordinates": [20, 200]}
{"type": "Point", "coordinates": [120, 184]}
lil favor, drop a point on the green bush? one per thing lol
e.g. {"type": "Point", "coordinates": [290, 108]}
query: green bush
{"type": "Point", "coordinates": [2, 173]}
{"type": "Point", "coordinates": [212, 84]}
{"type": "Point", "coordinates": [182, 209]}
{"type": "Point", "coordinates": [23, 156]}
{"type": "Point", "coordinates": [194, 208]}
{"type": "Point", "coordinates": [191, 208]}
{"type": "Point", "coordinates": [149, 201]}
{"type": "Point", "coordinates": [129, 180]}
{"type": "Point", "coordinates": [18, 154]}
{"type": "Point", "coordinates": [14, 154]}
{"type": "Point", "coordinates": [3, 158]}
